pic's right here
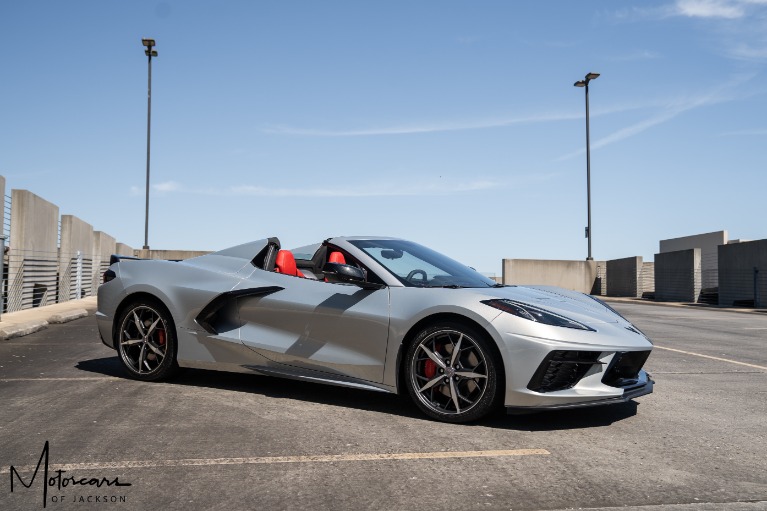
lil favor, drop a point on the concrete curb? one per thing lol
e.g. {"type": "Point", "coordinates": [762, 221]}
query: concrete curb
{"type": "Point", "coordinates": [685, 305]}
{"type": "Point", "coordinates": [64, 317]}
{"type": "Point", "coordinates": [27, 321]}
{"type": "Point", "coordinates": [21, 329]}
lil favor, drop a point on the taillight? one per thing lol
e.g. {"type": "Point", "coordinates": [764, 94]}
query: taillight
{"type": "Point", "coordinates": [109, 275]}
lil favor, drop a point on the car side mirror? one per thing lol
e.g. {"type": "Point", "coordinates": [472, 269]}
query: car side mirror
{"type": "Point", "coordinates": [347, 274]}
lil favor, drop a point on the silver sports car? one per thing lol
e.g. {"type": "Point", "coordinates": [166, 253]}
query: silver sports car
{"type": "Point", "coordinates": [374, 313]}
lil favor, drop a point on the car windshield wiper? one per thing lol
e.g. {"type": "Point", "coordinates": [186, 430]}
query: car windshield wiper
{"type": "Point", "coordinates": [498, 285]}
{"type": "Point", "coordinates": [450, 286]}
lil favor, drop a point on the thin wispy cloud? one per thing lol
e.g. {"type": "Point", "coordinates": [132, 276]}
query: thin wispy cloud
{"type": "Point", "coordinates": [672, 110]}
{"type": "Point", "coordinates": [368, 190]}
{"type": "Point", "coordinates": [634, 56]}
{"type": "Point", "coordinates": [165, 187]}
{"type": "Point", "coordinates": [436, 127]}
{"type": "Point", "coordinates": [427, 127]}
{"type": "Point", "coordinates": [168, 186]}
{"type": "Point", "coordinates": [707, 9]}
{"type": "Point", "coordinates": [427, 188]}
{"type": "Point", "coordinates": [739, 26]}
{"type": "Point", "coordinates": [728, 9]}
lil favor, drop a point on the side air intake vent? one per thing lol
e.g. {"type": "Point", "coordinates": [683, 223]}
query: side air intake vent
{"type": "Point", "coordinates": [562, 370]}
{"type": "Point", "coordinates": [624, 369]}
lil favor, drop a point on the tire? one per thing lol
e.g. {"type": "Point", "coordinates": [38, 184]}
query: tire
{"type": "Point", "coordinates": [460, 388]}
{"type": "Point", "coordinates": [146, 341]}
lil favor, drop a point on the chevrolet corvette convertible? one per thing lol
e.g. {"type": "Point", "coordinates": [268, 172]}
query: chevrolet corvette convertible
{"type": "Point", "coordinates": [374, 313]}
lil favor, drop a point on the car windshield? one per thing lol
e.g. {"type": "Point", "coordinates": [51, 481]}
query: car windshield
{"type": "Point", "coordinates": [418, 266]}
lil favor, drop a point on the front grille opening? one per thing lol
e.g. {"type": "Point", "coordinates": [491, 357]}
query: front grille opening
{"type": "Point", "coordinates": [562, 370]}
{"type": "Point", "coordinates": [624, 368]}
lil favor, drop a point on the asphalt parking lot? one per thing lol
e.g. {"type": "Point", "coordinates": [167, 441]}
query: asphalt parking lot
{"type": "Point", "coordinates": [213, 440]}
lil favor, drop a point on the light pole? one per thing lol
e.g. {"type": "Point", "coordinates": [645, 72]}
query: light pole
{"type": "Point", "coordinates": [585, 83]}
{"type": "Point", "coordinates": [149, 52]}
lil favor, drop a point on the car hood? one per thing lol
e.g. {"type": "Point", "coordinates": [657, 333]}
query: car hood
{"type": "Point", "coordinates": [571, 304]}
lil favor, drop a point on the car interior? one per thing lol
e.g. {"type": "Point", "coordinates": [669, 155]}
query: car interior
{"type": "Point", "coordinates": [273, 258]}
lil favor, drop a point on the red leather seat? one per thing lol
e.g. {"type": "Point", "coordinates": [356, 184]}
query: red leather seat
{"type": "Point", "coordinates": [336, 257]}
{"type": "Point", "coordinates": [286, 264]}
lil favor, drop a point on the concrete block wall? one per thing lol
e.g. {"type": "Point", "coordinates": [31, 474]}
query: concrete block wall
{"type": "Point", "coordinates": [738, 283]}
{"type": "Point", "coordinates": [678, 276]}
{"type": "Point", "coordinates": [104, 246]}
{"type": "Point", "coordinates": [42, 262]}
{"type": "Point", "coordinates": [708, 244]}
{"type": "Point", "coordinates": [123, 249]}
{"type": "Point", "coordinates": [33, 255]}
{"type": "Point", "coordinates": [2, 196]}
{"type": "Point", "coordinates": [648, 278]}
{"type": "Point", "coordinates": [172, 255]}
{"type": "Point", "coordinates": [625, 277]}
{"type": "Point", "coordinates": [75, 258]}
{"type": "Point", "coordinates": [575, 275]}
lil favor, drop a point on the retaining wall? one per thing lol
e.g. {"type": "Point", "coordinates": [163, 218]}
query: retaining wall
{"type": "Point", "coordinates": [739, 284]}
{"type": "Point", "coordinates": [75, 259]}
{"type": "Point", "coordinates": [172, 255]}
{"type": "Point", "coordinates": [625, 277]}
{"type": "Point", "coordinates": [648, 278]}
{"type": "Point", "coordinates": [678, 276]}
{"type": "Point", "coordinates": [583, 276]}
{"type": "Point", "coordinates": [709, 255]}
{"type": "Point", "coordinates": [33, 255]}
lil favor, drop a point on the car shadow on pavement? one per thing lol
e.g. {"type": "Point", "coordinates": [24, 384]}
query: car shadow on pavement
{"type": "Point", "coordinates": [109, 366]}
{"type": "Point", "coordinates": [379, 402]}
{"type": "Point", "coordinates": [271, 386]}
{"type": "Point", "coordinates": [577, 418]}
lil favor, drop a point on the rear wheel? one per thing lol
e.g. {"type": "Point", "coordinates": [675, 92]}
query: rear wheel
{"type": "Point", "coordinates": [452, 373]}
{"type": "Point", "coordinates": [146, 341]}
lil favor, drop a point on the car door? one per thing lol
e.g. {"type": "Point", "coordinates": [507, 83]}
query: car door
{"type": "Point", "coordinates": [338, 329]}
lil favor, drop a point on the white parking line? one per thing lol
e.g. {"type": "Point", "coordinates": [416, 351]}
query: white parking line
{"type": "Point", "coordinates": [712, 358]}
{"type": "Point", "coordinates": [329, 458]}
{"type": "Point", "coordinates": [83, 378]}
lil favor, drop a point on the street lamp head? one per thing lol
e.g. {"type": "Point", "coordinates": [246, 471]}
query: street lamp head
{"type": "Point", "coordinates": [580, 83]}
{"type": "Point", "coordinates": [592, 76]}
{"type": "Point", "coordinates": [148, 42]}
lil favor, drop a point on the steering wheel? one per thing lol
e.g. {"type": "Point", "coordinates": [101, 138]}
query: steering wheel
{"type": "Point", "coordinates": [413, 273]}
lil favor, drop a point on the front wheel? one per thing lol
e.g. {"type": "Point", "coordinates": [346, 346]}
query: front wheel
{"type": "Point", "coordinates": [452, 373]}
{"type": "Point", "coordinates": [146, 341]}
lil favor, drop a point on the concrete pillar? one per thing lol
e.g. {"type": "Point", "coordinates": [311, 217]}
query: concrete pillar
{"type": "Point", "coordinates": [123, 249]}
{"type": "Point", "coordinates": [104, 246]}
{"type": "Point", "coordinates": [625, 277]}
{"type": "Point", "coordinates": [743, 274]}
{"type": "Point", "coordinates": [678, 276]}
{"type": "Point", "coordinates": [2, 210]}
{"type": "Point", "coordinates": [33, 256]}
{"type": "Point", "coordinates": [648, 279]}
{"type": "Point", "coordinates": [76, 238]}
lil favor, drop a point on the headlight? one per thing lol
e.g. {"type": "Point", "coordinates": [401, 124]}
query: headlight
{"type": "Point", "coordinates": [529, 312]}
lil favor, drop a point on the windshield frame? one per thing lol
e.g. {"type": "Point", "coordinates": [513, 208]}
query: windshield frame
{"type": "Point", "coordinates": [452, 273]}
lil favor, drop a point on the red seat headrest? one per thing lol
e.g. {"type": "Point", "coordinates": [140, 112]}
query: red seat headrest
{"type": "Point", "coordinates": [337, 257]}
{"type": "Point", "coordinates": [286, 263]}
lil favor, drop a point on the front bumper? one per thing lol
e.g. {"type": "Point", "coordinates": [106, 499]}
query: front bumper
{"type": "Point", "coordinates": [643, 386]}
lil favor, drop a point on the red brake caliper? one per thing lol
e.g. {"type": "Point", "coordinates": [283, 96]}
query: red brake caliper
{"type": "Point", "coordinates": [161, 337]}
{"type": "Point", "coordinates": [429, 367]}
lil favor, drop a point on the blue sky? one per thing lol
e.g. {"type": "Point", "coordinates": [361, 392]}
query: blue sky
{"type": "Point", "coordinates": [454, 124]}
